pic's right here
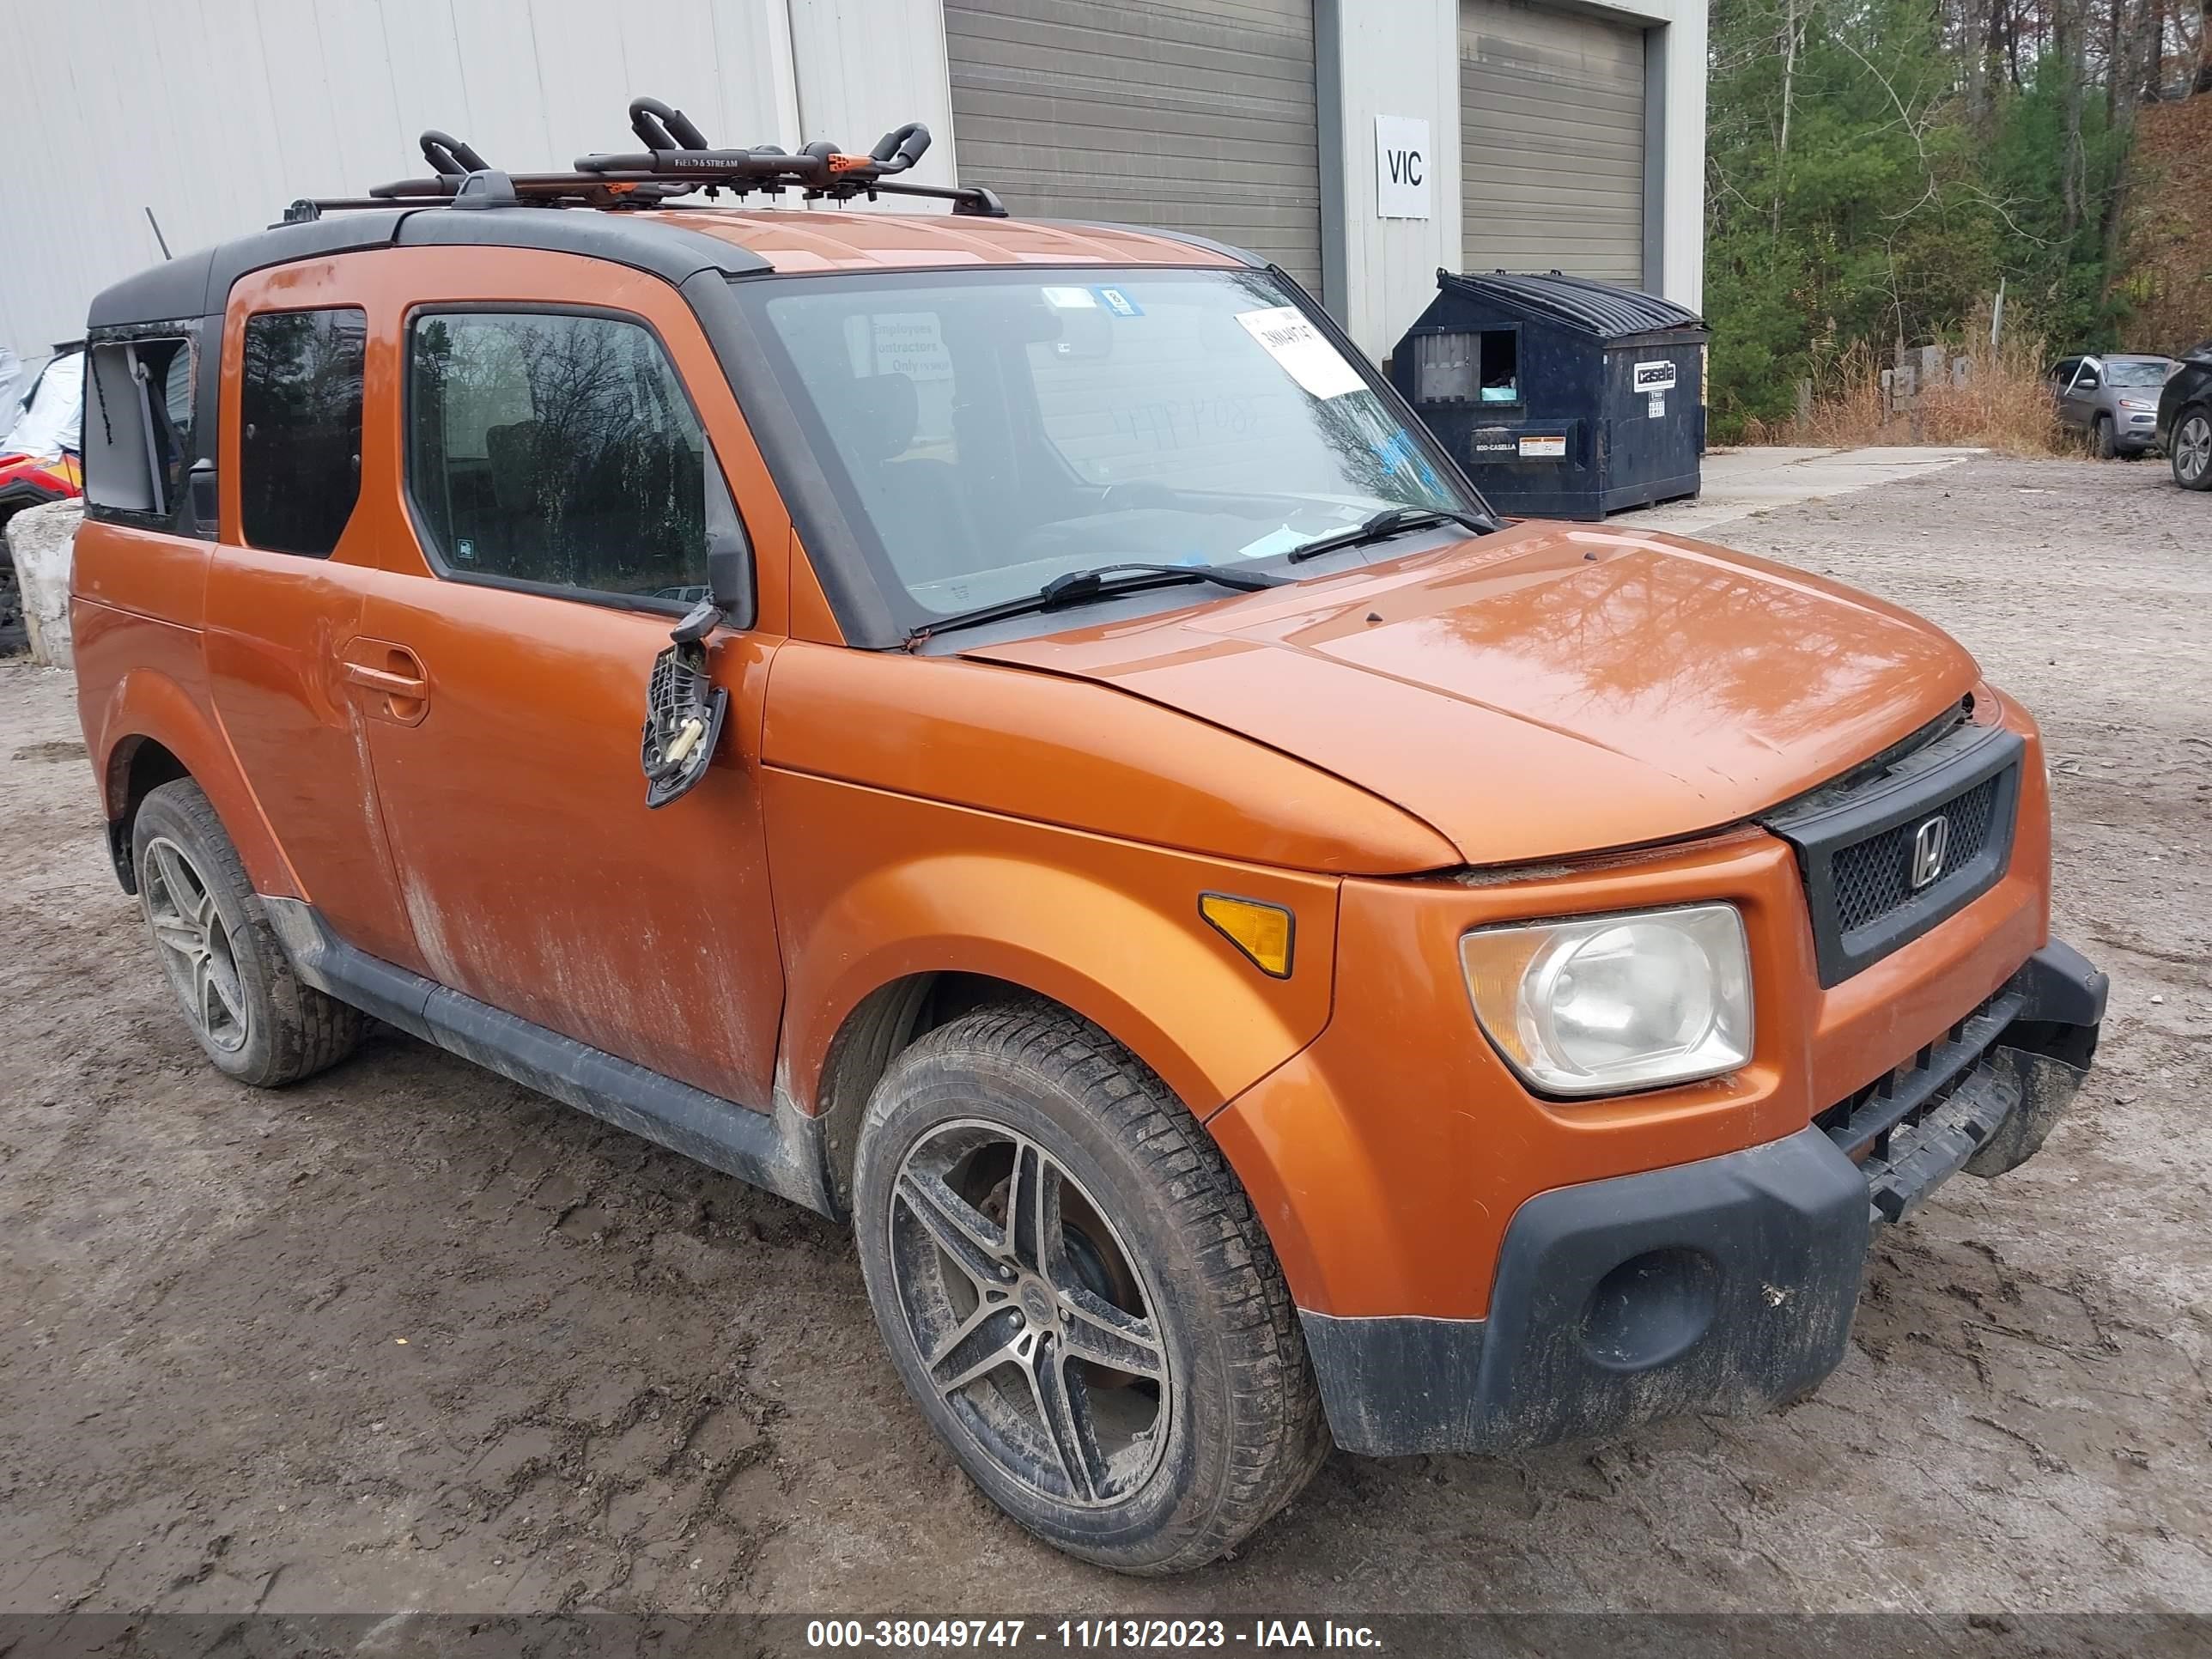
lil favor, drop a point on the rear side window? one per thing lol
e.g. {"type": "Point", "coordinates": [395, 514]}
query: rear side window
{"type": "Point", "coordinates": [558, 451]}
{"type": "Point", "coordinates": [299, 471]}
{"type": "Point", "coordinates": [138, 432]}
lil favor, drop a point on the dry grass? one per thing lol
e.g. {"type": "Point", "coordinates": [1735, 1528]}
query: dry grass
{"type": "Point", "coordinates": [2004, 404]}
{"type": "Point", "coordinates": [2169, 287]}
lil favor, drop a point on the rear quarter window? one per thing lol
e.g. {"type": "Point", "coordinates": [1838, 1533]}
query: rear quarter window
{"type": "Point", "coordinates": [137, 429]}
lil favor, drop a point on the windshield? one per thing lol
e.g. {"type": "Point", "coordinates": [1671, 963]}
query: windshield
{"type": "Point", "coordinates": [2138, 374]}
{"type": "Point", "coordinates": [997, 429]}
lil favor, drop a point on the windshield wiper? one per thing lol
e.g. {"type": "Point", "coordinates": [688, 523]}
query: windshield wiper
{"type": "Point", "coordinates": [1081, 587]}
{"type": "Point", "coordinates": [1390, 521]}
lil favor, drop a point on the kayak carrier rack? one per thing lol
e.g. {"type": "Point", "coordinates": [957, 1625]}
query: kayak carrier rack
{"type": "Point", "coordinates": [678, 159]}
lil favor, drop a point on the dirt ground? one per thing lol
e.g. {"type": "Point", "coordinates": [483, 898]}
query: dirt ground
{"type": "Point", "coordinates": [409, 1337]}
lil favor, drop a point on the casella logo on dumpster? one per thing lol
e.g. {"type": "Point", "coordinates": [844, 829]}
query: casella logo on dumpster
{"type": "Point", "coordinates": [1655, 377]}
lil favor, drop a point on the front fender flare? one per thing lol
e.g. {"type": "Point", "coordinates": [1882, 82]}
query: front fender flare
{"type": "Point", "coordinates": [1132, 956]}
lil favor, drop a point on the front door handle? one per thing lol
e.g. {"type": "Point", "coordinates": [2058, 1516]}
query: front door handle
{"type": "Point", "coordinates": [398, 690]}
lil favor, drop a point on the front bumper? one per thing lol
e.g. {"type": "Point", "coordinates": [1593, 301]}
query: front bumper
{"type": "Point", "coordinates": [1724, 1286]}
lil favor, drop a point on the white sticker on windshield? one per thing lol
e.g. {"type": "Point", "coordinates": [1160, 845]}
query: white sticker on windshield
{"type": "Point", "coordinates": [1070, 299]}
{"type": "Point", "coordinates": [1275, 541]}
{"type": "Point", "coordinates": [1301, 350]}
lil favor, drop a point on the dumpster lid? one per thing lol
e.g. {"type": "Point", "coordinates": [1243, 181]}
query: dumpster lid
{"type": "Point", "coordinates": [1600, 308]}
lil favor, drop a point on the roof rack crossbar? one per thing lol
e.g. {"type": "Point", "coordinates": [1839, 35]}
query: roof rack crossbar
{"type": "Point", "coordinates": [677, 161]}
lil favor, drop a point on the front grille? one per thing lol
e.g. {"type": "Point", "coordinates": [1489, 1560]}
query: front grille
{"type": "Point", "coordinates": [1874, 877]}
{"type": "Point", "coordinates": [1855, 841]}
{"type": "Point", "coordinates": [1913, 1127]}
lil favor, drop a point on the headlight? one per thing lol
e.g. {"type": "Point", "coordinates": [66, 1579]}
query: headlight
{"type": "Point", "coordinates": [1603, 1003]}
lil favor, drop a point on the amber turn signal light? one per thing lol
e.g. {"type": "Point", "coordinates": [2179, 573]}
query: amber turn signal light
{"type": "Point", "coordinates": [1261, 932]}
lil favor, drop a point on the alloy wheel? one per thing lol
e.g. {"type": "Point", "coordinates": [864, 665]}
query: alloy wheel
{"type": "Point", "coordinates": [1034, 1323]}
{"type": "Point", "coordinates": [195, 945]}
{"type": "Point", "coordinates": [2192, 448]}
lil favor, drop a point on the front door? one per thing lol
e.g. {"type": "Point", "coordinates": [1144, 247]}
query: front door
{"type": "Point", "coordinates": [561, 460]}
{"type": "Point", "coordinates": [2078, 407]}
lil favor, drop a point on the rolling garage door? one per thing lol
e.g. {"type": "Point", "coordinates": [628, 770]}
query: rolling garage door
{"type": "Point", "coordinates": [1192, 114]}
{"type": "Point", "coordinates": [1551, 142]}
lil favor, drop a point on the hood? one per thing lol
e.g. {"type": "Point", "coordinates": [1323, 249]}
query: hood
{"type": "Point", "coordinates": [1547, 691]}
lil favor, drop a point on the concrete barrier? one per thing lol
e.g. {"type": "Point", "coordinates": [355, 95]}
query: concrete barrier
{"type": "Point", "coordinates": [39, 540]}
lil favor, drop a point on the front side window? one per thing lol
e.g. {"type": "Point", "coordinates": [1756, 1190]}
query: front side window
{"type": "Point", "coordinates": [556, 450]}
{"type": "Point", "coordinates": [299, 400]}
{"type": "Point", "coordinates": [990, 431]}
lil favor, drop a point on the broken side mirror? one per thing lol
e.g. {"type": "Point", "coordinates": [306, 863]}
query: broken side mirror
{"type": "Point", "coordinates": [684, 707]}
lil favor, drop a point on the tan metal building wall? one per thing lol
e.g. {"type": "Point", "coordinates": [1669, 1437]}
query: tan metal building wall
{"type": "Point", "coordinates": [1552, 142]}
{"type": "Point", "coordinates": [1194, 114]}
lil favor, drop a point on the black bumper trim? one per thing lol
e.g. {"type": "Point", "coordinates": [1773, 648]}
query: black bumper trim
{"type": "Point", "coordinates": [1915, 1127]}
{"type": "Point", "coordinates": [1726, 1285]}
{"type": "Point", "coordinates": [2063, 987]}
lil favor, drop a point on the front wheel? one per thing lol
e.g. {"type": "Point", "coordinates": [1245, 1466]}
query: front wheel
{"type": "Point", "coordinates": [2102, 441]}
{"type": "Point", "coordinates": [1077, 1293]}
{"type": "Point", "coordinates": [2192, 450]}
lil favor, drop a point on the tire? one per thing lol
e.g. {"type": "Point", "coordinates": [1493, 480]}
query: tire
{"type": "Point", "coordinates": [2192, 448]}
{"type": "Point", "coordinates": [236, 986]}
{"type": "Point", "coordinates": [2102, 443]}
{"type": "Point", "coordinates": [1207, 1420]}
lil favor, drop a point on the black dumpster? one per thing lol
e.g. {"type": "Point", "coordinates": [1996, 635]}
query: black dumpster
{"type": "Point", "coordinates": [1564, 398]}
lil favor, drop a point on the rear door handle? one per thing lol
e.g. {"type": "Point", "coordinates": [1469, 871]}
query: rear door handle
{"type": "Point", "coordinates": [398, 690]}
{"type": "Point", "coordinates": [383, 680]}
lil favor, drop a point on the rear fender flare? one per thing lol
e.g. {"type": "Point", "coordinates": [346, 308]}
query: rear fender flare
{"type": "Point", "coordinates": [147, 706]}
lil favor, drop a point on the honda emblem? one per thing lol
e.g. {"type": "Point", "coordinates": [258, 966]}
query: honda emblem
{"type": "Point", "coordinates": [1929, 842]}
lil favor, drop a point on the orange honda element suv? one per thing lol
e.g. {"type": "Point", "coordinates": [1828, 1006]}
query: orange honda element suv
{"type": "Point", "coordinates": [1011, 735]}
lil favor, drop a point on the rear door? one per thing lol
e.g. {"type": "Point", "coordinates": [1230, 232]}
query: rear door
{"type": "Point", "coordinates": [566, 440]}
{"type": "Point", "coordinates": [288, 580]}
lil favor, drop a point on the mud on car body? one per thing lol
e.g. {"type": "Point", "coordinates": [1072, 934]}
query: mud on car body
{"type": "Point", "coordinates": [1259, 951]}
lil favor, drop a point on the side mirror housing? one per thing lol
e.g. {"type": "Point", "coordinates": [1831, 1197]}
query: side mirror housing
{"type": "Point", "coordinates": [730, 576]}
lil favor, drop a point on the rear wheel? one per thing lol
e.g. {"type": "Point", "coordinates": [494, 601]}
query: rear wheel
{"type": "Point", "coordinates": [1075, 1290]}
{"type": "Point", "coordinates": [246, 1007]}
{"type": "Point", "coordinates": [2192, 449]}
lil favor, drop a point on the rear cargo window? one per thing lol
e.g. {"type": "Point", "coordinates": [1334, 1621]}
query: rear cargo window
{"type": "Point", "coordinates": [299, 427]}
{"type": "Point", "coordinates": [558, 451]}
{"type": "Point", "coordinates": [138, 438]}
